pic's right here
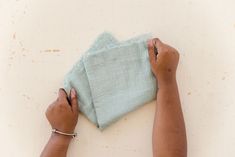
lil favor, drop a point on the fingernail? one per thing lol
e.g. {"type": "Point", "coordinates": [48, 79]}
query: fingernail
{"type": "Point", "coordinates": [73, 93]}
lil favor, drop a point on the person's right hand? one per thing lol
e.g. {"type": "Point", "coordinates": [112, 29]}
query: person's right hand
{"type": "Point", "coordinates": [165, 64]}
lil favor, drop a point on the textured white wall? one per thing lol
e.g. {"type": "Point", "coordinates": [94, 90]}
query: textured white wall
{"type": "Point", "coordinates": [40, 40]}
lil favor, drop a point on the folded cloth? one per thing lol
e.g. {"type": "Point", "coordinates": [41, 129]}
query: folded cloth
{"type": "Point", "coordinates": [112, 78]}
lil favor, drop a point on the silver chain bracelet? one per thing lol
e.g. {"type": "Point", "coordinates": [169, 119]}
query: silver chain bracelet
{"type": "Point", "coordinates": [63, 133]}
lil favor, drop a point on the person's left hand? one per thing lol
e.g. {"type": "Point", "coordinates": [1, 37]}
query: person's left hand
{"type": "Point", "coordinates": [63, 115]}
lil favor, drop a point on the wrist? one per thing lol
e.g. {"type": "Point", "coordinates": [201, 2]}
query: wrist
{"type": "Point", "coordinates": [166, 82]}
{"type": "Point", "coordinates": [60, 140]}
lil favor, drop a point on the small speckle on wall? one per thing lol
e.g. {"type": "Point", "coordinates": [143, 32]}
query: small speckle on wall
{"type": "Point", "coordinates": [52, 50]}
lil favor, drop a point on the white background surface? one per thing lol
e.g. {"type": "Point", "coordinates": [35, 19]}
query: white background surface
{"type": "Point", "coordinates": [41, 39]}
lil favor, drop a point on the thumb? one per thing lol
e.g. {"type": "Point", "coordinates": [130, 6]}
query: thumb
{"type": "Point", "coordinates": [74, 100]}
{"type": "Point", "coordinates": [158, 42]}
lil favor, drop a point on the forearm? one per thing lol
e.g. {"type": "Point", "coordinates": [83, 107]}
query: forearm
{"type": "Point", "coordinates": [169, 135]}
{"type": "Point", "coordinates": [57, 146]}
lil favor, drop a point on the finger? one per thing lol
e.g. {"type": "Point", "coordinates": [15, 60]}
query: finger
{"type": "Point", "coordinates": [74, 100]}
{"type": "Point", "coordinates": [151, 52]}
{"type": "Point", "coordinates": [158, 43]}
{"type": "Point", "coordinates": [62, 94]}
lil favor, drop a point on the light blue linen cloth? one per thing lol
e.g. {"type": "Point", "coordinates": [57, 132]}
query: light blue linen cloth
{"type": "Point", "coordinates": [112, 78]}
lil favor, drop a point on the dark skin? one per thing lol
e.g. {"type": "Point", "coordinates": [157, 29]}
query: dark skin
{"type": "Point", "coordinates": [169, 134]}
{"type": "Point", "coordinates": [63, 116]}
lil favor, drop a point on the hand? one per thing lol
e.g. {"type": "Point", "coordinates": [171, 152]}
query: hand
{"type": "Point", "coordinates": [164, 65]}
{"type": "Point", "coordinates": [61, 114]}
